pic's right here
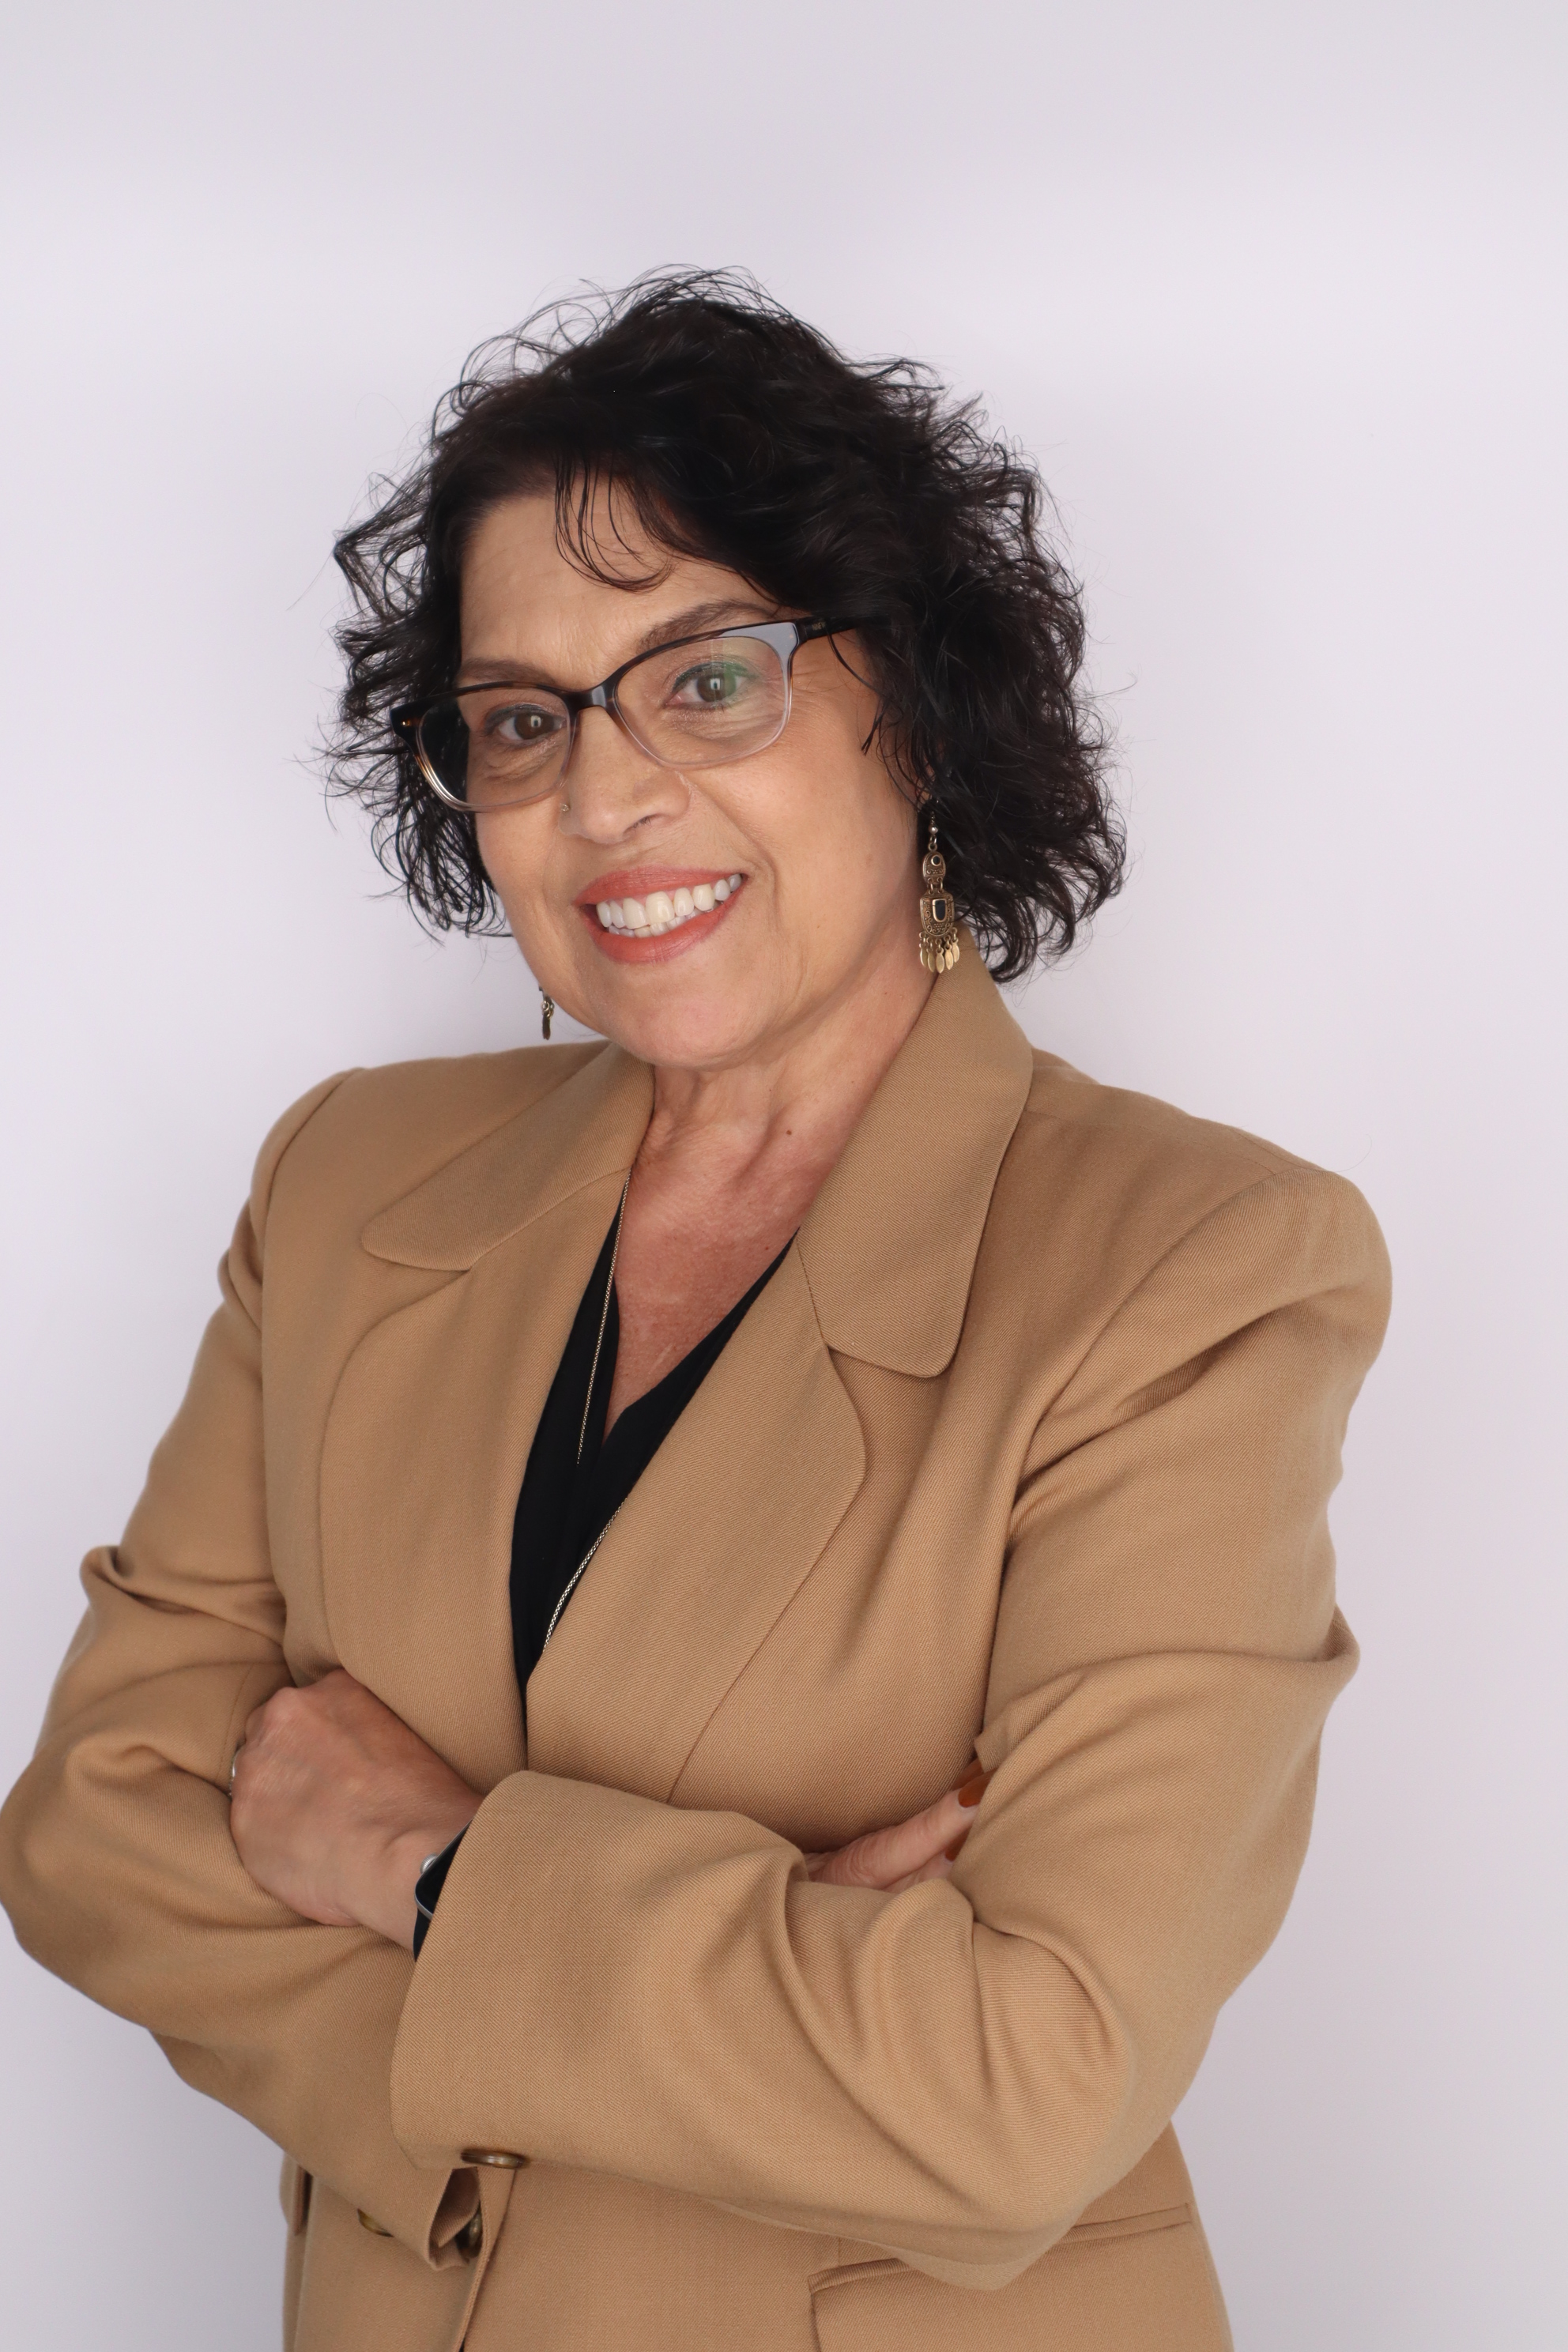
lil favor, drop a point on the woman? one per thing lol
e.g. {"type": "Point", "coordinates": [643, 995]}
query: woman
{"type": "Point", "coordinates": [722, 1668]}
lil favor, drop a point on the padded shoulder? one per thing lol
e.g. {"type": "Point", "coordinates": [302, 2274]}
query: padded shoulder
{"type": "Point", "coordinates": [1122, 1177]}
{"type": "Point", "coordinates": [1062, 1093]}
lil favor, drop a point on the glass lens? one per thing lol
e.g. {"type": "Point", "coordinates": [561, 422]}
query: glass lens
{"type": "Point", "coordinates": [492, 746]}
{"type": "Point", "coordinates": [695, 706]}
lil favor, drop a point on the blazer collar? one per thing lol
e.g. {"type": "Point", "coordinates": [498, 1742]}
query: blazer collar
{"type": "Point", "coordinates": [889, 1243]}
{"type": "Point", "coordinates": [587, 1128]}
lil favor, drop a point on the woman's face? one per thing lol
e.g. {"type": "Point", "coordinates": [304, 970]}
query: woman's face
{"type": "Point", "coordinates": [819, 834]}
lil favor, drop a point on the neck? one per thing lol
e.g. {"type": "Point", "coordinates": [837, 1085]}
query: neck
{"type": "Point", "coordinates": [799, 1098]}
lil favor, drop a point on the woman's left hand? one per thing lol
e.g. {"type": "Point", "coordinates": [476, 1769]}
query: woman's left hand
{"type": "Point", "coordinates": [908, 1853]}
{"type": "Point", "coordinates": [336, 1803]}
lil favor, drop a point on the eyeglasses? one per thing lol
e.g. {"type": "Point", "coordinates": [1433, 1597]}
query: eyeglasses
{"type": "Point", "coordinates": [699, 702]}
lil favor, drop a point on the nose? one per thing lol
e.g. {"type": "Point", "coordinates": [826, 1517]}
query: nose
{"type": "Point", "coordinates": [609, 784]}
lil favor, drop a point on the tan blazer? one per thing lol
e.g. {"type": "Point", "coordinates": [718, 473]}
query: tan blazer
{"type": "Point", "coordinates": [1027, 1447]}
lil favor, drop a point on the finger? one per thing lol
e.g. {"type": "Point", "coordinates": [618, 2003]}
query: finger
{"type": "Point", "coordinates": [274, 1711]}
{"type": "Point", "coordinates": [938, 1867]}
{"type": "Point", "coordinates": [971, 1787]}
{"type": "Point", "coordinates": [887, 1859]}
{"type": "Point", "coordinates": [941, 1829]}
{"type": "Point", "coordinates": [967, 1794]}
{"type": "Point", "coordinates": [883, 1857]}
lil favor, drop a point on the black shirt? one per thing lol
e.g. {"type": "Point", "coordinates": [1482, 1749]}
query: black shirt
{"type": "Point", "coordinates": [578, 1478]}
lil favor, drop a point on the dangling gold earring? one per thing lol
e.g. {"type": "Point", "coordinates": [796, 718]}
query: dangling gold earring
{"type": "Point", "coordinates": [546, 1014]}
{"type": "Point", "coordinates": [938, 924]}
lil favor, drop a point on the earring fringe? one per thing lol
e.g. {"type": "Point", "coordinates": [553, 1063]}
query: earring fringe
{"type": "Point", "coordinates": [939, 922]}
{"type": "Point", "coordinates": [546, 1014]}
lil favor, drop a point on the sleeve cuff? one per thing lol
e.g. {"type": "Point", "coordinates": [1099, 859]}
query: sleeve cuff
{"type": "Point", "coordinates": [427, 1888]}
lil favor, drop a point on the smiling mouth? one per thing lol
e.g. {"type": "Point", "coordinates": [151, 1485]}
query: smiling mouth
{"type": "Point", "coordinates": [664, 910]}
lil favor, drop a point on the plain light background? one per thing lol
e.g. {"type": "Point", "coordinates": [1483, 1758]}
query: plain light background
{"type": "Point", "coordinates": [1275, 297]}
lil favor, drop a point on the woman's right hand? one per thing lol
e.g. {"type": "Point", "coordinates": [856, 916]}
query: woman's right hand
{"type": "Point", "coordinates": [925, 1846]}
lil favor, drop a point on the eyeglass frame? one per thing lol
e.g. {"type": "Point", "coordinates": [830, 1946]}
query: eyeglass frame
{"type": "Point", "coordinates": [408, 717]}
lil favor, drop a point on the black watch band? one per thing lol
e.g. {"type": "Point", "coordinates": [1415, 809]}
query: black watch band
{"type": "Point", "coordinates": [428, 1887]}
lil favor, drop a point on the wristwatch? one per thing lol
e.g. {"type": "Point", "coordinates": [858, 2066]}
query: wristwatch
{"type": "Point", "coordinates": [428, 1885]}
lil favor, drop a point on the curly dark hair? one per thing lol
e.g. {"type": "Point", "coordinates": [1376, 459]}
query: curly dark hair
{"type": "Point", "coordinates": [739, 434]}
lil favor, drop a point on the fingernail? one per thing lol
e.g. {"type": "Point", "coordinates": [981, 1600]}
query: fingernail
{"type": "Point", "coordinates": [970, 1791]}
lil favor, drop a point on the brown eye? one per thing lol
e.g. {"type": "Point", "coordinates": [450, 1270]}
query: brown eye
{"type": "Point", "coordinates": [521, 726]}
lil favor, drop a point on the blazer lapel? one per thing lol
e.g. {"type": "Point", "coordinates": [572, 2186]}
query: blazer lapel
{"type": "Point", "coordinates": [718, 1534]}
{"type": "Point", "coordinates": [746, 1493]}
{"type": "Point", "coordinates": [429, 1432]}
{"type": "Point", "coordinates": [890, 1243]}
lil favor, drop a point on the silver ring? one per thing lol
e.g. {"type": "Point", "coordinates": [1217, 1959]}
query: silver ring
{"type": "Point", "coordinates": [233, 1766]}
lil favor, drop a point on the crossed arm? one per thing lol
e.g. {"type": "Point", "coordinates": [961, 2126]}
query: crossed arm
{"type": "Point", "coordinates": [967, 2053]}
{"type": "Point", "coordinates": [336, 1803]}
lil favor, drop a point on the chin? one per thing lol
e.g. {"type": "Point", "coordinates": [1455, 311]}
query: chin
{"type": "Point", "coordinates": [698, 1032]}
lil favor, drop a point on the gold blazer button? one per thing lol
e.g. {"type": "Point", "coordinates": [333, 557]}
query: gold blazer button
{"type": "Point", "coordinates": [366, 2221]}
{"type": "Point", "coordinates": [502, 2157]}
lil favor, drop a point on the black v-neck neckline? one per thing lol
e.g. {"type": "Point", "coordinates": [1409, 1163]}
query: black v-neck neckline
{"type": "Point", "coordinates": [577, 1477]}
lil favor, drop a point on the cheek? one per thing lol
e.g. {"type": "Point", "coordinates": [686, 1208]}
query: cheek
{"type": "Point", "coordinates": [862, 827]}
{"type": "Point", "coordinates": [839, 801]}
{"type": "Point", "coordinates": [850, 865]}
{"type": "Point", "coordinates": [514, 850]}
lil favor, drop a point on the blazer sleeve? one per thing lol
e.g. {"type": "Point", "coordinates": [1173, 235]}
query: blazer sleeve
{"type": "Point", "coordinates": [955, 2072]}
{"type": "Point", "coordinates": [116, 1862]}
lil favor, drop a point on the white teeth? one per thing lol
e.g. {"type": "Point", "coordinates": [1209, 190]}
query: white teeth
{"type": "Point", "coordinates": [664, 910]}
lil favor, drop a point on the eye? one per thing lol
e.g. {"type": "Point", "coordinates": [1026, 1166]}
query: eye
{"type": "Point", "coordinates": [711, 685]}
{"type": "Point", "coordinates": [521, 726]}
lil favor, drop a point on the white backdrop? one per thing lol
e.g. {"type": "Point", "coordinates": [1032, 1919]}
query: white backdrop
{"type": "Point", "coordinates": [1276, 295]}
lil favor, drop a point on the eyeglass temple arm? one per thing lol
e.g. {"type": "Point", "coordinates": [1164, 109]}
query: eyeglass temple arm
{"type": "Point", "coordinates": [832, 628]}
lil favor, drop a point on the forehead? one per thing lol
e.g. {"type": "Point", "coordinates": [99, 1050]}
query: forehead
{"type": "Point", "coordinates": [524, 599]}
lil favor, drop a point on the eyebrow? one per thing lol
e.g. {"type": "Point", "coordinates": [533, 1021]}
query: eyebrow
{"type": "Point", "coordinates": [720, 612]}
